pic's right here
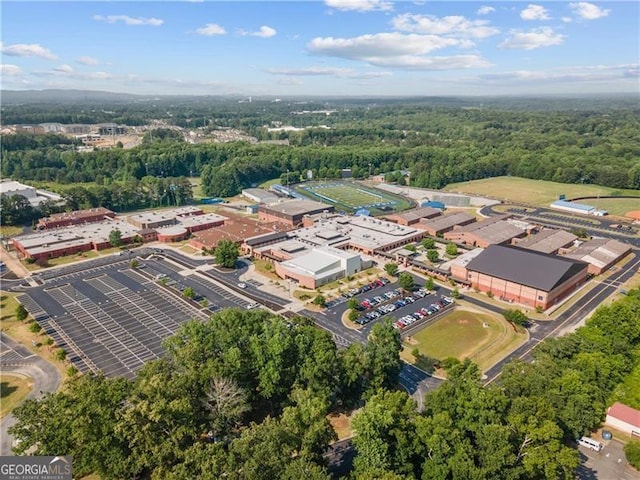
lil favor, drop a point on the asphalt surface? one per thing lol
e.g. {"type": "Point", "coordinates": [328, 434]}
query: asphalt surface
{"type": "Point", "coordinates": [571, 317]}
{"type": "Point", "coordinates": [18, 359]}
{"type": "Point", "coordinates": [560, 219]}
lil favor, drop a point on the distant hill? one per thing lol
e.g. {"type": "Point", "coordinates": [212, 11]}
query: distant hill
{"type": "Point", "coordinates": [66, 96]}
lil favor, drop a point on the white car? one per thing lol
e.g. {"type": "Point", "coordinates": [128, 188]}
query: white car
{"type": "Point", "coordinates": [242, 285]}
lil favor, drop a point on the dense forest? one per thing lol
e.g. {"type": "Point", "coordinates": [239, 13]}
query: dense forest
{"type": "Point", "coordinates": [246, 394]}
{"type": "Point", "coordinates": [440, 142]}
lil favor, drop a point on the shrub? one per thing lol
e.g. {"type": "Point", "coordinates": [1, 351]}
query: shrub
{"type": "Point", "coordinates": [21, 312]}
{"type": "Point", "coordinates": [320, 300]}
{"type": "Point", "coordinates": [34, 327]}
{"type": "Point", "coordinates": [632, 452]}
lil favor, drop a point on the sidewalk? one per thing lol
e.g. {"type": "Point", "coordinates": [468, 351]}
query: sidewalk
{"type": "Point", "coordinates": [269, 287]}
{"type": "Point", "coordinates": [14, 264]}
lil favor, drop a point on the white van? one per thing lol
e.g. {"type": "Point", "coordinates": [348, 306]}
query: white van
{"type": "Point", "coordinates": [590, 443]}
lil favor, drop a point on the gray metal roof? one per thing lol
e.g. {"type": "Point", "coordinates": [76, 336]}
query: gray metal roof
{"type": "Point", "coordinates": [526, 267]}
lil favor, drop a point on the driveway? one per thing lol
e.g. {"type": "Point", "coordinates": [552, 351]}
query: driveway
{"type": "Point", "coordinates": [18, 359]}
{"type": "Point", "coordinates": [607, 464]}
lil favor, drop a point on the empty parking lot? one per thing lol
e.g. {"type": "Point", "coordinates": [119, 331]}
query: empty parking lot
{"type": "Point", "coordinates": [112, 319]}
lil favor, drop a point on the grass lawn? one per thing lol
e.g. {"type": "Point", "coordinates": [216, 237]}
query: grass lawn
{"type": "Point", "coordinates": [462, 333]}
{"type": "Point", "coordinates": [13, 389]}
{"type": "Point", "coordinates": [8, 305]}
{"type": "Point", "coordinates": [265, 268]}
{"type": "Point", "coordinates": [341, 423]}
{"type": "Point", "coordinates": [534, 192]}
{"type": "Point", "coordinates": [616, 206]}
{"type": "Point", "coordinates": [9, 231]}
{"type": "Point", "coordinates": [19, 331]}
{"type": "Point", "coordinates": [266, 185]}
{"type": "Point", "coordinates": [196, 184]}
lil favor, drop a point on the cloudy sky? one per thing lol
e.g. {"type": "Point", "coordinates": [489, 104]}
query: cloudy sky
{"type": "Point", "coordinates": [330, 47]}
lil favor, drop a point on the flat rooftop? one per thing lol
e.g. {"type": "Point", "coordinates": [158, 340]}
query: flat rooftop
{"type": "Point", "coordinates": [548, 240]}
{"type": "Point", "coordinates": [97, 232]}
{"type": "Point", "coordinates": [77, 214]}
{"type": "Point", "coordinates": [447, 221]}
{"type": "Point", "coordinates": [195, 220]}
{"type": "Point", "coordinates": [600, 251]}
{"type": "Point", "coordinates": [297, 207]}
{"type": "Point", "coordinates": [368, 232]}
{"type": "Point", "coordinates": [415, 214]}
{"type": "Point", "coordinates": [526, 267]}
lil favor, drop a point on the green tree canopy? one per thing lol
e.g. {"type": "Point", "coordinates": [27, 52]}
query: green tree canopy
{"type": "Point", "coordinates": [391, 269]}
{"type": "Point", "coordinates": [226, 253]}
{"type": "Point", "coordinates": [115, 237]}
{"type": "Point", "coordinates": [406, 281]}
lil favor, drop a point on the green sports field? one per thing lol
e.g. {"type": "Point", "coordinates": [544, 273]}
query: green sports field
{"type": "Point", "coordinates": [542, 193]}
{"type": "Point", "coordinates": [351, 196]}
{"type": "Point", "coordinates": [483, 338]}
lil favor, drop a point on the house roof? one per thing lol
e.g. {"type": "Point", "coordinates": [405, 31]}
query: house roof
{"type": "Point", "coordinates": [625, 413]}
{"type": "Point", "coordinates": [525, 267]}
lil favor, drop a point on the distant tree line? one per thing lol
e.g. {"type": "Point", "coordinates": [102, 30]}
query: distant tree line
{"type": "Point", "coordinates": [150, 192]}
{"type": "Point", "coordinates": [439, 145]}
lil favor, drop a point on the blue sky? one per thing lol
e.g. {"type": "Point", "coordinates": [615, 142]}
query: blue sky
{"type": "Point", "coordinates": [330, 47]}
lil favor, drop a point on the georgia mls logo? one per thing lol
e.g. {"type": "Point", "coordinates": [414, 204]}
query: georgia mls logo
{"type": "Point", "coordinates": [36, 468]}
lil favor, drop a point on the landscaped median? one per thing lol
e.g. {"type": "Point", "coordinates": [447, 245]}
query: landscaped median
{"type": "Point", "coordinates": [348, 323]}
{"type": "Point", "coordinates": [462, 333]}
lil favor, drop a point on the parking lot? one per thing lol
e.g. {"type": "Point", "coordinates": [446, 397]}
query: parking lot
{"type": "Point", "coordinates": [383, 297]}
{"type": "Point", "coordinates": [112, 318]}
{"type": "Point", "coordinates": [608, 463]}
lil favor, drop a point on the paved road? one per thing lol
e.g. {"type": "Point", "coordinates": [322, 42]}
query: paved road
{"type": "Point", "coordinates": [559, 219]}
{"type": "Point", "coordinates": [573, 316]}
{"type": "Point", "coordinates": [18, 359]}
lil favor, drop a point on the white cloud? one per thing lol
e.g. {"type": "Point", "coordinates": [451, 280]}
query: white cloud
{"type": "Point", "coordinates": [592, 73]}
{"type": "Point", "coordinates": [27, 50]}
{"type": "Point", "coordinates": [127, 20]}
{"type": "Point", "coordinates": [412, 62]}
{"type": "Point", "coordinates": [379, 45]}
{"type": "Point", "coordinates": [567, 19]}
{"type": "Point", "coordinates": [485, 10]}
{"type": "Point", "coordinates": [63, 69]}
{"type": "Point", "coordinates": [397, 50]}
{"type": "Point", "coordinates": [264, 32]}
{"type": "Point", "coordinates": [10, 70]}
{"type": "Point", "coordinates": [536, 38]}
{"type": "Point", "coordinates": [88, 61]}
{"type": "Point", "coordinates": [96, 75]}
{"type": "Point", "coordinates": [211, 29]}
{"type": "Point", "coordinates": [588, 11]}
{"type": "Point", "coordinates": [451, 25]}
{"type": "Point", "coordinates": [360, 5]}
{"type": "Point", "coordinates": [326, 71]}
{"type": "Point", "coordinates": [534, 12]}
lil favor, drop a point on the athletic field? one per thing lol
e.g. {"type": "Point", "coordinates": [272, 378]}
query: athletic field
{"type": "Point", "coordinates": [351, 196]}
{"type": "Point", "coordinates": [542, 193]}
{"type": "Point", "coordinates": [483, 338]}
